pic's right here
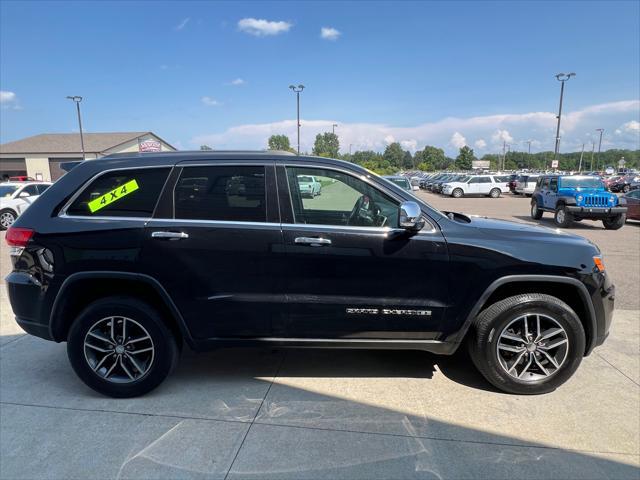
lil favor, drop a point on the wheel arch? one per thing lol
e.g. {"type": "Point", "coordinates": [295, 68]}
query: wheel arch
{"type": "Point", "coordinates": [81, 288]}
{"type": "Point", "coordinates": [569, 290]}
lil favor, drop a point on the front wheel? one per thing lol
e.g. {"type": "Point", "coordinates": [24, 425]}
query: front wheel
{"type": "Point", "coordinates": [527, 344]}
{"type": "Point", "coordinates": [121, 347]}
{"type": "Point", "coordinates": [494, 193]}
{"type": "Point", "coordinates": [536, 213]}
{"type": "Point", "coordinates": [562, 217]}
{"type": "Point", "coordinates": [457, 193]}
{"type": "Point", "coordinates": [614, 223]}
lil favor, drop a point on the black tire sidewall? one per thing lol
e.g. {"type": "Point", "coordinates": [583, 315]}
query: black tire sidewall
{"type": "Point", "coordinates": [13, 214]}
{"type": "Point", "coordinates": [165, 354]}
{"type": "Point", "coordinates": [487, 350]}
{"type": "Point", "coordinates": [538, 213]}
{"type": "Point", "coordinates": [567, 217]}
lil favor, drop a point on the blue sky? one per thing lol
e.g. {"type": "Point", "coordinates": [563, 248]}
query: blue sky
{"type": "Point", "coordinates": [446, 74]}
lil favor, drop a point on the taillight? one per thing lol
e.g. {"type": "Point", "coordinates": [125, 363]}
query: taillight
{"type": "Point", "coordinates": [19, 237]}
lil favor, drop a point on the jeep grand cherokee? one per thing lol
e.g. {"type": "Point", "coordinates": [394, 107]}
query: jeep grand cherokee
{"type": "Point", "coordinates": [129, 257]}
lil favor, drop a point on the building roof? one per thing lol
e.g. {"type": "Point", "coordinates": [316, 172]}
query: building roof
{"type": "Point", "coordinates": [70, 142]}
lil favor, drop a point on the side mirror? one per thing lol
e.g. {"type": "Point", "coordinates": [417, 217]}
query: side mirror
{"type": "Point", "coordinates": [24, 194]}
{"type": "Point", "coordinates": [410, 217]}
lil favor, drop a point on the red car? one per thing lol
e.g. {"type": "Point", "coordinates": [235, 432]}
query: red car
{"type": "Point", "coordinates": [21, 178]}
{"type": "Point", "coordinates": [633, 204]}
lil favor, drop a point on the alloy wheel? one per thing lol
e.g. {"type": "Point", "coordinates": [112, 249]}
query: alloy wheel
{"type": "Point", "coordinates": [119, 349]}
{"type": "Point", "coordinates": [7, 219]}
{"type": "Point", "coordinates": [532, 347]}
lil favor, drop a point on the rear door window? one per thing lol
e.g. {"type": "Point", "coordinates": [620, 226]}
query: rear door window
{"type": "Point", "coordinates": [225, 193]}
{"type": "Point", "coordinates": [121, 193]}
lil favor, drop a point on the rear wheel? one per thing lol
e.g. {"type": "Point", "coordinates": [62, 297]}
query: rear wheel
{"type": "Point", "coordinates": [121, 347]}
{"type": "Point", "coordinates": [7, 217]}
{"type": "Point", "coordinates": [536, 213]}
{"type": "Point", "coordinates": [527, 344]}
{"type": "Point", "coordinates": [457, 193]}
{"type": "Point", "coordinates": [614, 223]}
{"type": "Point", "coordinates": [563, 218]}
{"type": "Point", "coordinates": [494, 193]}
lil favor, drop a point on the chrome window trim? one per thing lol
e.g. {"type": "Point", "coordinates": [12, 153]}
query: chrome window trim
{"type": "Point", "coordinates": [214, 222]}
{"type": "Point", "coordinates": [86, 217]}
{"type": "Point", "coordinates": [63, 211]}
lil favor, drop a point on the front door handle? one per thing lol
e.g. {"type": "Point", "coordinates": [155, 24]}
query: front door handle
{"type": "Point", "coordinates": [312, 241]}
{"type": "Point", "coordinates": [170, 235]}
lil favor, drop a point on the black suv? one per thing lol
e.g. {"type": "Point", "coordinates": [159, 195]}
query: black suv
{"type": "Point", "coordinates": [127, 258]}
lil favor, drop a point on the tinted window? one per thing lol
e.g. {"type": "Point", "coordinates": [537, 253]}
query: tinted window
{"type": "Point", "coordinates": [231, 193]}
{"type": "Point", "coordinates": [42, 188]}
{"type": "Point", "coordinates": [474, 180]}
{"type": "Point", "coordinates": [344, 200]}
{"type": "Point", "coordinates": [553, 184]}
{"type": "Point", "coordinates": [30, 189]}
{"type": "Point", "coordinates": [485, 179]}
{"type": "Point", "coordinates": [123, 193]}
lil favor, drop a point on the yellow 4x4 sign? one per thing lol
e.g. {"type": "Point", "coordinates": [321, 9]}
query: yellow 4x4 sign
{"type": "Point", "coordinates": [112, 196]}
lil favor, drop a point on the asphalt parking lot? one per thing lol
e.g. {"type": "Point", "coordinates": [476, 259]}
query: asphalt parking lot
{"type": "Point", "coordinates": [265, 413]}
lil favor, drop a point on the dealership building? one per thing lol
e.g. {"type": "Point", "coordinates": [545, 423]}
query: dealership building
{"type": "Point", "coordinates": [40, 156]}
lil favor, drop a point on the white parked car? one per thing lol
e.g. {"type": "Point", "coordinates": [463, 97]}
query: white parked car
{"type": "Point", "coordinates": [475, 185]}
{"type": "Point", "coordinates": [16, 197]}
{"type": "Point", "coordinates": [526, 184]}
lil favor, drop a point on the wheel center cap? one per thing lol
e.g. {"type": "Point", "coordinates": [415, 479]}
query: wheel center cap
{"type": "Point", "coordinates": [531, 347]}
{"type": "Point", "coordinates": [119, 349]}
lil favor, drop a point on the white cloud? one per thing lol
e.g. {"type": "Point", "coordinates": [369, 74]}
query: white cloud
{"type": "Point", "coordinates": [457, 140]}
{"type": "Point", "coordinates": [263, 28]}
{"type": "Point", "coordinates": [632, 126]}
{"type": "Point", "coordinates": [210, 102]}
{"type": "Point", "coordinates": [237, 82]}
{"type": "Point", "coordinates": [411, 145]}
{"type": "Point", "coordinates": [539, 127]}
{"type": "Point", "coordinates": [501, 136]}
{"type": "Point", "coordinates": [9, 100]}
{"type": "Point", "coordinates": [182, 24]}
{"type": "Point", "coordinates": [480, 143]}
{"type": "Point", "coordinates": [329, 33]}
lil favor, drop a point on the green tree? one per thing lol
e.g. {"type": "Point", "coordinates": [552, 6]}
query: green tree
{"type": "Point", "coordinates": [464, 158]}
{"type": "Point", "coordinates": [407, 160]}
{"type": "Point", "coordinates": [326, 145]}
{"type": "Point", "coordinates": [431, 158]}
{"type": "Point", "coordinates": [205, 147]}
{"type": "Point", "coordinates": [280, 142]}
{"type": "Point", "coordinates": [394, 155]}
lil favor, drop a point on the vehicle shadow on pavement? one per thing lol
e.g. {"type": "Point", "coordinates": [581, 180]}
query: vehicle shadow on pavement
{"type": "Point", "coordinates": [282, 414]}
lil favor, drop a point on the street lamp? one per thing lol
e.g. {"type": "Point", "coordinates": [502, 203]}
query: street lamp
{"type": "Point", "coordinates": [333, 128]}
{"type": "Point", "coordinates": [601, 130]}
{"type": "Point", "coordinates": [297, 91]}
{"type": "Point", "coordinates": [561, 77]}
{"type": "Point", "coordinates": [77, 99]}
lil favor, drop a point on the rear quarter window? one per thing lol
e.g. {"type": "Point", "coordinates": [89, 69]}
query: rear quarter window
{"type": "Point", "coordinates": [121, 193]}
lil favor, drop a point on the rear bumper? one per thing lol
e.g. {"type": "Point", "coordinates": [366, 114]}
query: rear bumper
{"type": "Point", "coordinates": [595, 212]}
{"type": "Point", "coordinates": [26, 296]}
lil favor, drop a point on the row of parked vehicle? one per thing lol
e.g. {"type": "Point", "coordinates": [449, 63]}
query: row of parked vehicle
{"type": "Point", "coordinates": [16, 196]}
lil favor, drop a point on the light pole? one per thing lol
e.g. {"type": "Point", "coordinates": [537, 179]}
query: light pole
{"type": "Point", "coordinates": [601, 130]}
{"type": "Point", "coordinates": [528, 162]}
{"type": "Point", "coordinates": [581, 155]}
{"type": "Point", "coordinates": [593, 148]}
{"type": "Point", "coordinates": [333, 128]}
{"type": "Point", "coordinates": [76, 99]}
{"type": "Point", "coordinates": [561, 77]}
{"type": "Point", "coordinates": [297, 90]}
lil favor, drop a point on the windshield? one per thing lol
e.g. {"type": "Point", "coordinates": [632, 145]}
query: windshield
{"type": "Point", "coordinates": [7, 190]}
{"type": "Point", "coordinates": [580, 182]}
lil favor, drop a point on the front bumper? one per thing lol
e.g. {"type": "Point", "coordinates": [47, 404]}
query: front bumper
{"type": "Point", "coordinates": [595, 212]}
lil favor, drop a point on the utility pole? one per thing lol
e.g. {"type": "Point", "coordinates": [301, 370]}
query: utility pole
{"type": "Point", "coordinates": [333, 128]}
{"type": "Point", "coordinates": [77, 99]}
{"type": "Point", "coordinates": [350, 145]}
{"type": "Point", "coordinates": [529, 154]}
{"type": "Point", "coordinates": [561, 77]}
{"type": "Point", "coordinates": [593, 149]}
{"type": "Point", "coordinates": [297, 91]}
{"type": "Point", "coordinates": [601, 130]}
{"type": "Point", "coordinates": [581, 155]}
{"type": "Point", "coordinates": [504, 154]}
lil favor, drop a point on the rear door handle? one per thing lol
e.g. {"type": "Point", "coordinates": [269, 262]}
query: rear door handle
{"type": "Point", "coordinates": [312, 241]}
{"type": "Point", "coordinates": [170, 235]}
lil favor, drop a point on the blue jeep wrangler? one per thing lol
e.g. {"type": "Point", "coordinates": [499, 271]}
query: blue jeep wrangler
{"type": "Point", "coordinates": [576, 197]}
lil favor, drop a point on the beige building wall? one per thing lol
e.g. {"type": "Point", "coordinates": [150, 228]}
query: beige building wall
{"type": "Point", "coordinates": [38, 166]}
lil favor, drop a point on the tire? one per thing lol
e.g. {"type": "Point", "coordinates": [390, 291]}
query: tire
{"type": "Point", "coordinates": [495, 193]}
{"type": "Point", "coordinates": [7, 217]}
{"type": "Point", "coordinates": [457, 193]}
{"type": "Point", "coordinates": [562, 217]}
{"type": "Point", "coordinates": [506, 316]}
{"type": "Point", "coordinates": [127, 378]}
{"type": "Point", "coordinates": [536, 213]}
{"type": "Point", "coordinates": [614, 223]}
